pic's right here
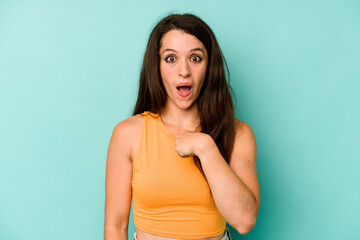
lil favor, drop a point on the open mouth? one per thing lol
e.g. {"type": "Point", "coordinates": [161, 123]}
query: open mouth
{"type": "Point", "coordinates": [184, 88]}
{"type": "Point", "coordinates": [183, 91]}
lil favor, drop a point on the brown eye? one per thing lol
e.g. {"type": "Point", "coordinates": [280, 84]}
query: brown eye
{"type": "Point", "coordinates": [195, 58]}
{"type": "Point", "coordinates": [170, 59]}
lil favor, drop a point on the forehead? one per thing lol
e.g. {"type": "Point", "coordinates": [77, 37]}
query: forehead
{"type": "Point", "coordinates": [180, 41]}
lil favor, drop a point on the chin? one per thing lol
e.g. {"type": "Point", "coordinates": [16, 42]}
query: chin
{"type": "Point", "coordinates": [185, 106]}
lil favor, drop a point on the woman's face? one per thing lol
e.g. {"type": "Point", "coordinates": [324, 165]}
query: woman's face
{"type": "Point", "coordinates": [183, 64]}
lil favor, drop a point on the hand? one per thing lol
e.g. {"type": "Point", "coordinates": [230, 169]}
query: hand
{"type": "Point", "coordinates": [190, 143]}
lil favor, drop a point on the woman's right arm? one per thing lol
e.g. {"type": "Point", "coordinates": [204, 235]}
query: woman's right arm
{"type": "Point", "coordinates": [118, 180]}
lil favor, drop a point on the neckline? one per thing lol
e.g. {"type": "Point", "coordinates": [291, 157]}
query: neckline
{"type": "Point", "coordinates": [164, 129]}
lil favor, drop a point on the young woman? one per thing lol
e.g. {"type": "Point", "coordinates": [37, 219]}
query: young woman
{"type": "Point", "coordinates": [188, 165]}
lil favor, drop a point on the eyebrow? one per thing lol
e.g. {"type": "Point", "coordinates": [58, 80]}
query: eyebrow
{"type": "Point", "coordinates": [192, 50]}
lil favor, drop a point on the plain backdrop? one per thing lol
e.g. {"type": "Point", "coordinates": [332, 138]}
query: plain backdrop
{"type": "Point", "coordinates": [69, 73]}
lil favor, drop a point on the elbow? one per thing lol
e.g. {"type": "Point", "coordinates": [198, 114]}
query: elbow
{"type": "Point", "coordinates": [245, 228]}
{"type": "Point", "coordinates": [246, 225]}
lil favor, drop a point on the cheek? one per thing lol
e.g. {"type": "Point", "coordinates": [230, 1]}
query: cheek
{"type": "Point", "coordinates": [165, 73]}
{"type": "Point", "coordinates": [165, 78]}
{"type": "Point", "coordinates": [201, 76]}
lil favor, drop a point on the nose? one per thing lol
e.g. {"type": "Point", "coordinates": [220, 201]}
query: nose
{"type": "Point", "coordinates": [184, 69]}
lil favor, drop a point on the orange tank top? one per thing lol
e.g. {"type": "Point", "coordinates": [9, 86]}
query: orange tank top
{"type": "Point", "coordinates": [171, 198]}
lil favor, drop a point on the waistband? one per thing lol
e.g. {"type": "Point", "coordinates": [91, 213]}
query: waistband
{"type": "Point", "coordinates": [226, 235]}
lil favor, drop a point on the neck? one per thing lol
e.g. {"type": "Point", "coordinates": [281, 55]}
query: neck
{"type": "Point", "coordinates": [181, 118]}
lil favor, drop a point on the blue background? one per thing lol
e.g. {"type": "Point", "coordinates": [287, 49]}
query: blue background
{"type": "Point", "coordinates": [69, 73]}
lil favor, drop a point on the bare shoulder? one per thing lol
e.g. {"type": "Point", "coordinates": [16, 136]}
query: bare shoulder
{"type": "Point", "coordinates": [243, 129]}
{"type": "Point", "coordinates": [127, 133]}
{"type": "Point", "coordinates": [128, 125]}
{"type": "Point", "coordinates": [245, 142]}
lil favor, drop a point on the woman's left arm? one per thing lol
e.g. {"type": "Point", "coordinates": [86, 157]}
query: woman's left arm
{"type": "Point", "coordinates": [235, 187]}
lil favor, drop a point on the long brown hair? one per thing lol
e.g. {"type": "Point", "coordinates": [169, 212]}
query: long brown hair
{"type": "Point", "coordinates": [215, 105]}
